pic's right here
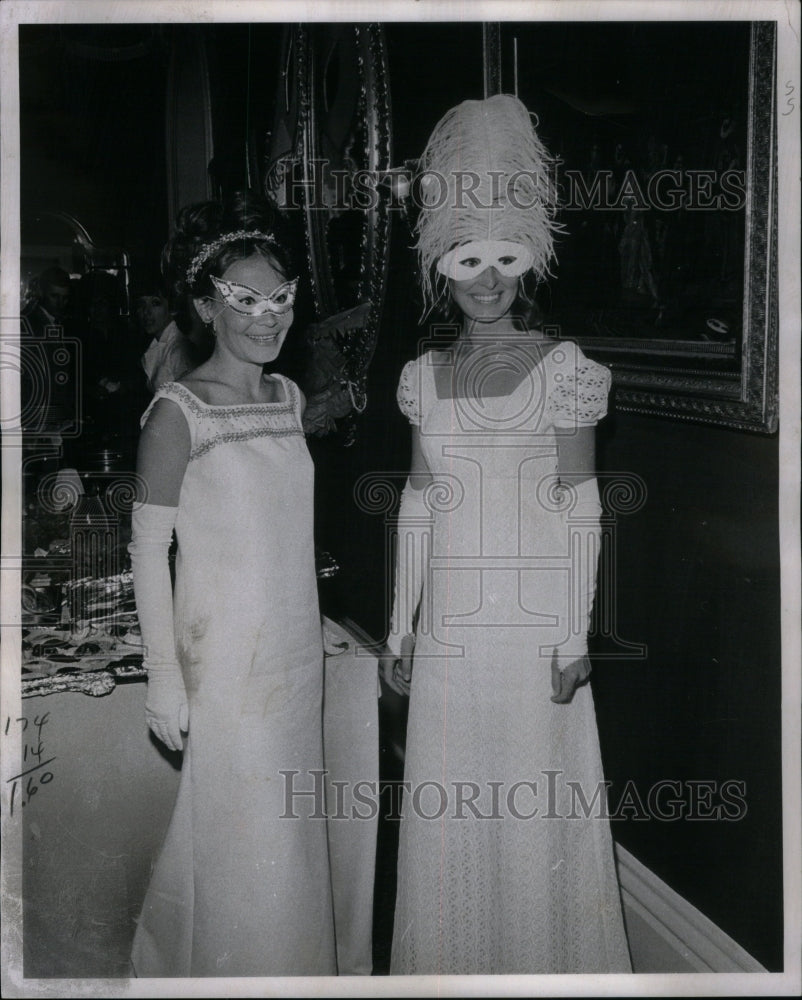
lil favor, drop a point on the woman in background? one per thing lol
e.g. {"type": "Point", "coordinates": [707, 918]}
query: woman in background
{"type": "Point", "coordinates": [495, 577]}
{"type": "Point", "coordinates": [234, 656]}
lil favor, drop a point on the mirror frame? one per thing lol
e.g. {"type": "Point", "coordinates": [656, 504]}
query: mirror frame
{"type": "Point", "coordinates": [644, 380]}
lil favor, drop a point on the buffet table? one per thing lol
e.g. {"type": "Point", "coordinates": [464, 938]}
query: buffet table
{"type": "Point", "coordinates": [89, 654]}
{"type": "Point", "coordinates": [79, 623]}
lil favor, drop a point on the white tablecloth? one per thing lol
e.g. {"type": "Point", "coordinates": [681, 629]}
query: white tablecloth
{"type": "Point", "coordinates": [351, 753]}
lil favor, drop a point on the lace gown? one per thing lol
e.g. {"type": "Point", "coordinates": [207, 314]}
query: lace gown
{"type": "Point", "coordinates": [241, 888]}
{"type": "Point", "coordinates": [493, 877]}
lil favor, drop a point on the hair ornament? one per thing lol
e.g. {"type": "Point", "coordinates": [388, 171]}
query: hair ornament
{"type": "Point", "coordinates": [208, 250]}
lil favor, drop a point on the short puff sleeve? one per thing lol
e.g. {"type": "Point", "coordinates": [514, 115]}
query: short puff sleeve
{"type": "Point", "coordinates": [579, 388]}
{"type": "Point", "coordinates": [408, 394]}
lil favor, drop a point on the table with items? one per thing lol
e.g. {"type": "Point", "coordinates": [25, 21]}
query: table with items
{"type": "Point", "coordinates": [79, 624]}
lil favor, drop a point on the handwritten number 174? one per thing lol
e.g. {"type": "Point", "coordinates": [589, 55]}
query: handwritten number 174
{"type": "Point", "coordinates": [27, 783]}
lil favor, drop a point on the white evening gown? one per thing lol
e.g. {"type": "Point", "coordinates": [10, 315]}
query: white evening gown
{"type": "Point", "coordinates": [508, 883]}
{"type": "Point", "coordinates": [241, 888]}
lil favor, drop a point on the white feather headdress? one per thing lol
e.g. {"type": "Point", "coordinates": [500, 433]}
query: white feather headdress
{"type": "Point", "coordinates": [485, 174]}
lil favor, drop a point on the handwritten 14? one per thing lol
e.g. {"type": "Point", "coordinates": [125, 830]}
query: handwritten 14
{"type": "Point", "coordinates": [27, 783]}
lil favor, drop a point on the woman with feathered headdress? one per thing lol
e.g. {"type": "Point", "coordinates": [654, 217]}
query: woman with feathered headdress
{"type": "Point", "coordinates": [494, 584]}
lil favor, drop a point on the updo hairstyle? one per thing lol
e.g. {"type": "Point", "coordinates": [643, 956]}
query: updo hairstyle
{"type": "Point", "coordinates": [259, 229]}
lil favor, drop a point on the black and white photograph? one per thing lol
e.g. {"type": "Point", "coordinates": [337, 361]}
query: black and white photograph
{"type": "Point", "coordinates": [400, 574]}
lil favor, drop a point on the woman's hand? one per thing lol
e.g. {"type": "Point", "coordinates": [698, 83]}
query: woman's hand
{"type": "Point", "coordinates": [396, 671]}
{"type": "Point", "coordinates": [565, 682]}
{"type": "Point", "coordinates": [166, 708]}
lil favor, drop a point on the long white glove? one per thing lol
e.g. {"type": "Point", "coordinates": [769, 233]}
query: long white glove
{"type": "Point", "coordinates": [582, 525]}
{"type": "Point", "coordinates": [166, 705]}
{"type": "Point", "coordinates": [412, 554]}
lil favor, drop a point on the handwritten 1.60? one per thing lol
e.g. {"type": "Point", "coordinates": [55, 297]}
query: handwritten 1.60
{"type": "Point", "coordinates": [32, 776]}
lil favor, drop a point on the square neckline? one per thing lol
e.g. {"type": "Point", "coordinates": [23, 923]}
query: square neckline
{"type": "Point", "coordinates": [499, 396]}
{"type": "Point", "coordinates": [288, 400]}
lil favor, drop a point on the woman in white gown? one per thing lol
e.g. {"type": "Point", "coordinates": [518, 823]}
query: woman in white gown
{"type": "Point", "coordinates": [242, 886]}
{"type": "Point", "coordinates": [505, 857]}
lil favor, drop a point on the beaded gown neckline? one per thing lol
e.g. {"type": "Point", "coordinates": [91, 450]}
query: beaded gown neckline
{"type": "Point", "coordinates": [286, 401]}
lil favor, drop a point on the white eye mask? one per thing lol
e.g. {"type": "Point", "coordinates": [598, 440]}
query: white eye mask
{"type": "Point", "coordinates": [249, 301]}
{"type": "Point", "coordinates": [470, 259]}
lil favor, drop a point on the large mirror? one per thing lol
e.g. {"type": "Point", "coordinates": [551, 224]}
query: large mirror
{"type": "Point", "coordinates": [666, 159]}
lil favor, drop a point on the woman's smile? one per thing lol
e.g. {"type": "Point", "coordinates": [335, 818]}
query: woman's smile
{"type": "Point", "coordinates": [264, 338]}
{"type": "Point", "coordinates": [486, 298]}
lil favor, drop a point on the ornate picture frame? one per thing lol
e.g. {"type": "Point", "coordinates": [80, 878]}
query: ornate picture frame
{"type": "Point", "coordinates": [707, 356]}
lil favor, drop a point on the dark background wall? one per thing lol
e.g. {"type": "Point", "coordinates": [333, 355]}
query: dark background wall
{"type": "Point", "coordinates": [698, 565]}
{"type": "Point", "coordinates": [92, 130]}
{"type": "Point", "coordinates": [698, 583]}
